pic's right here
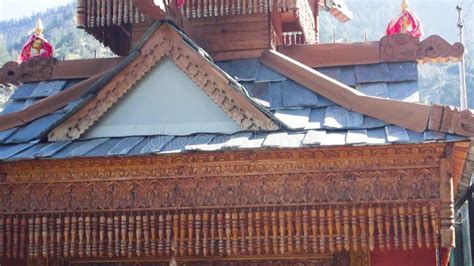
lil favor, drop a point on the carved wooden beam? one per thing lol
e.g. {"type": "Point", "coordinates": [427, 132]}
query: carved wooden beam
{"type": "Point", "coordinates": [35, 69]}
{"type": "Point", "coordinates": [404, 47]}
{"type": "Point", "coordinates": [452, 120]}
{"type": "Point", "coordinates": [41, 69]}
{"type": "Point", "coordinates": [395, 48]}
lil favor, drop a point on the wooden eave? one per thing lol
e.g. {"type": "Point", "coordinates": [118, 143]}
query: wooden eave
{"type": "Point", "coordinates": [43, 69]}
{"type": "Point", "coordinates": [163, 41]}
{"type": "Point", "coordinates": [396, 48]}
{"type": "Point", "coordinates": [47, 105]}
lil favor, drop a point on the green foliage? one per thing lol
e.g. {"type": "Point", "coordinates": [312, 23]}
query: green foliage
{"type": "Point", "coordinates": [60, 30]}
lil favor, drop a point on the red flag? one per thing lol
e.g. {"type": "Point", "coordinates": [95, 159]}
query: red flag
{"type": "Point", "coordinates": [406, 22]}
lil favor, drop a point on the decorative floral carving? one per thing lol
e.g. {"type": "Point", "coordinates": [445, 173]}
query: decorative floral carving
{"type": "Point", "coordinates": [268, 190]}
{"type": "Point", "coordinates": [219, 164]}
{"type": "Point", "coordinates": [35, 69]}
{"type": "Point", "coordinates": [404, 47]}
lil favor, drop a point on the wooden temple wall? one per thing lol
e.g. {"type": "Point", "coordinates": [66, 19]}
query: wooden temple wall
{"type": "Point", "coordinates": [235, 205]}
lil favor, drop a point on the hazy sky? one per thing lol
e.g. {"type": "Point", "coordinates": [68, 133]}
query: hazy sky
{"type": "Point", "coordinates": [21, 8]}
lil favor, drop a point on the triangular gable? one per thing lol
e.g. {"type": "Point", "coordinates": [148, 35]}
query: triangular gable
{"type": "Point", "coordinates": [165, 102]}
{"type": "Point", "coordinates": [162, 41]}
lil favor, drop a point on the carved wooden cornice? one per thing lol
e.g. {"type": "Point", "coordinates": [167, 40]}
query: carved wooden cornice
{"type": "Point", "coordinates": [395, 48]}
{"type": "Point", "coordinates": [42, 69]}
{"type": "Point", "coordinates": [404, 47]}
{"type": "Point", "coordinates": [35, 69]}
{"type": "Point", "coordinates": [166, 42]}
{"type": "Point", "coordinates": [221, 164]}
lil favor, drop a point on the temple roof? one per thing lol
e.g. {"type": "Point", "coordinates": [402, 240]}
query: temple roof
{"type": "Point", "coordinates": [304, 115]}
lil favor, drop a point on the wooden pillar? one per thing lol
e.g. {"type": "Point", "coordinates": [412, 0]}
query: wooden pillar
{"type": "Point", "coordinates": [81, 14]}
{"type": "Point", "coordinates": [446, 211]}
{"type": "Point", "coordinates": [316, 21]}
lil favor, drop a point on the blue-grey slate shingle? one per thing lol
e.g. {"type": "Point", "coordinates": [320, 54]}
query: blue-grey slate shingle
{"type": "Point", "coordinates": [295, 95]}
{"type": "Point", "coordinates": [48, 88]}
{"type": "Point", "coordinates": [265, 74]}
{"type": "Point", "coordinates": [24, 91]}
{"type": "Point", "coordinates": [294, 118]}
{"type": "Point", "coordinates": [125, 145]}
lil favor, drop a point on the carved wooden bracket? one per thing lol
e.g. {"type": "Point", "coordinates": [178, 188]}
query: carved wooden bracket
{"type": "Point", "coordinates": [452, 120]}
{"type": "Point", "coordinates": [404, 47]}
{"type": "Point", "coordinates": [35, 69]}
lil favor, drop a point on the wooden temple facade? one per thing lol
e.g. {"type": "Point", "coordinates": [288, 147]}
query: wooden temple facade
{"type": "Point", "coordinates": [269, 162]}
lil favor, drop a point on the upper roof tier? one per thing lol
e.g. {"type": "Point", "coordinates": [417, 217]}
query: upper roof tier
{"type": "Point", "coordinates": [244, 25]}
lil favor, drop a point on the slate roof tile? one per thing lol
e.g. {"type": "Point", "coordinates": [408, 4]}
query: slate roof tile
{"type": "Point", "coordinates": [177, 144]}
{"type": "Point", "coordinates": [30, 152]}
{"type": "Point", "coordinates": [266, 74]}
{"type": "Point", "coordinates": [335, 138]}
{"type": "Point", "coordinates": [377, 136]}
{"type": "Point", "coordinates": [356, 136]}
{"type": "Point", "coordinates": [348, 76]}
{"type": "Point", "coordinates": [316, 118]}
{"type": "Point", "coordinates": [338, 117]}
{"type": "Point", "coordinates": [255, 141]}
{"type": "Point", "coordinates": [155, 144]}
{"type": "Point", "coordinates": [332, 72]}
{"type": "Point", "coordinates": [8, 151]}
{"type": "Point", "coordinates": [104, 148]}
{"type": "Point", "coordinates": [23, 92]}
{"type": "Point", "coordinates": [314, 137]}
{"type": "Point", "coordinates": [294, 118]}
{"type": "Point", "coordinates": [404, 91]}
{"type": "Point", "coordinates": [433, 135]}
{"type": "Point", "coordinates": [125, 145]}
{"type": "Point", "coordinates": [35, 129]}
{"type": "Point", "coordinates": [237, 140]}
{"type": "Point", "coordinates": [379, 89]}
{"type": "Point", "coordinates": [396, 134]}
{"type": "Point", "coordinates": [244, 70]}
{"type": "Point", "coordinates": [199, 142]}
{"type": "Point", "coordinates": [48, 88]}
{"type": "Point", "coordinates": [405, 71]}
{"type": "Point", "coordinates": [79, 148]}
{"type": "Point", "coordinates": [52, 148]}
{"type": "Point", "coordinates": [5, 134]}
{"type": "Point", "coordinates": [284, 140]}
{"type": "Point", "coordinates": [372, 73]}
{"type": "Point", "coordinates": [370, 123]}
{"type": "Point", "coordinates": [13, 106]}
{"type": "Point", "coordinates": [295, 95]}
{"type": "Point", "coordinates": [415, 137]}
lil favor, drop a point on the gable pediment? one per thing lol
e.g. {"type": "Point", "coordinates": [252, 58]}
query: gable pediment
{"type": "Point", "coordinates": [165, 102]}
{"type": "Point", "coordinates": [163, 41]}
